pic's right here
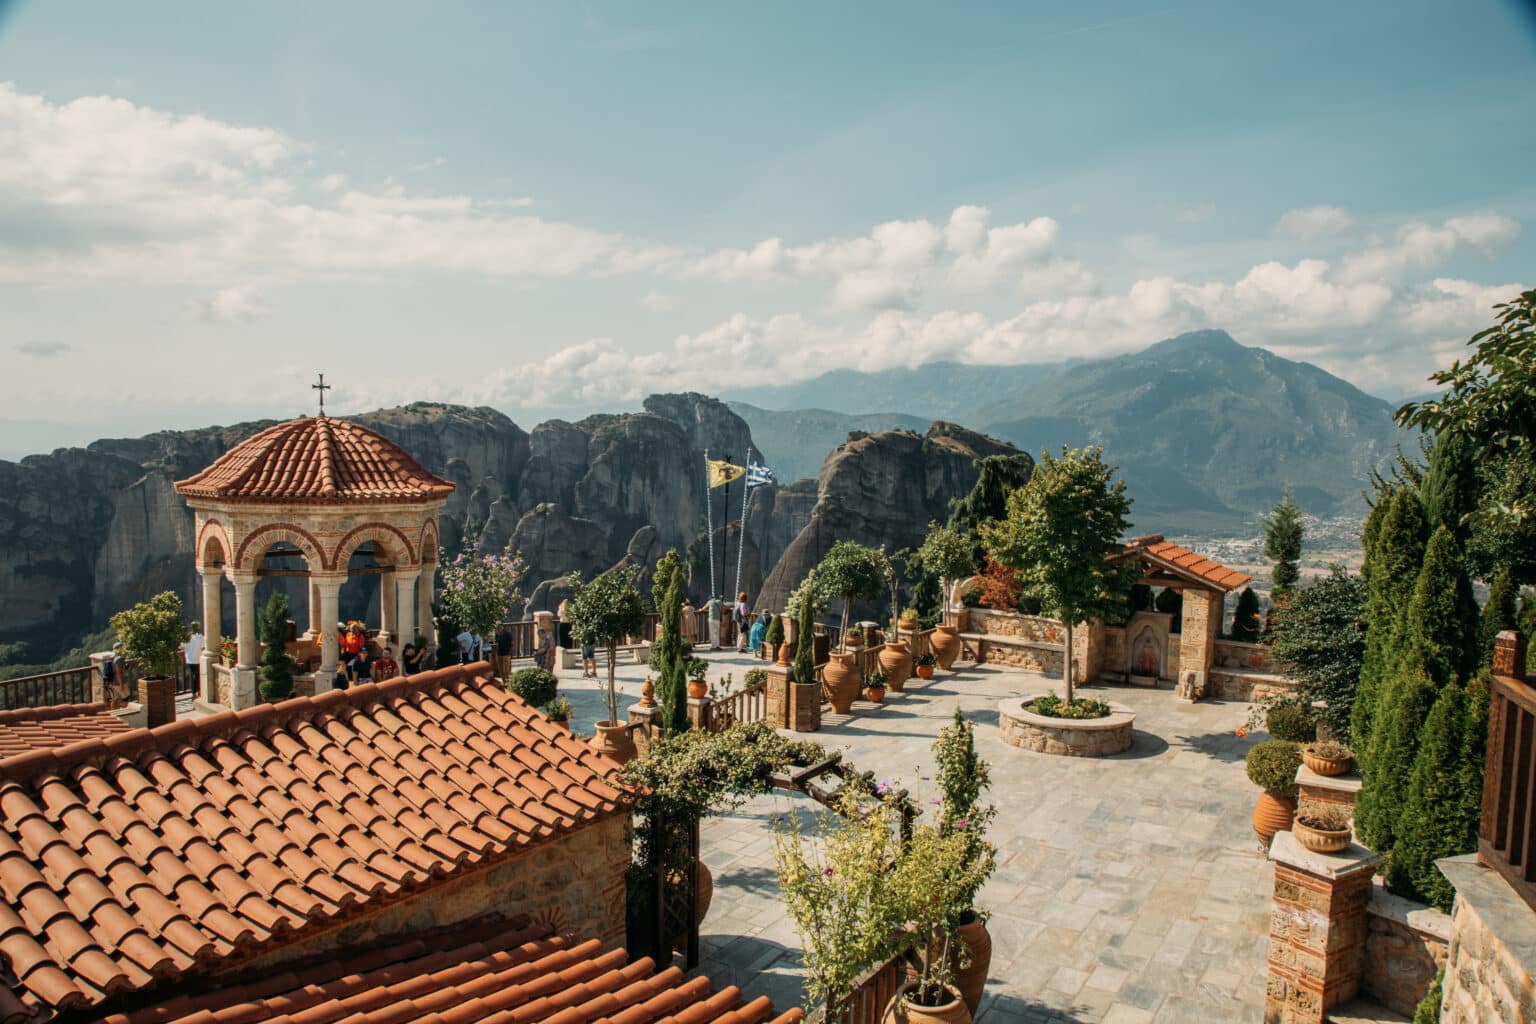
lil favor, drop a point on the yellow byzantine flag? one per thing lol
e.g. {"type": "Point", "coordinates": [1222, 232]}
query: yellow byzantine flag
{"type": "Point", "coordinates": [722, 472]}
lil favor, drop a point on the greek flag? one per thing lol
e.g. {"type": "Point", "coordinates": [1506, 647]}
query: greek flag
{"type": "Point", "coordinates": [757, 473]}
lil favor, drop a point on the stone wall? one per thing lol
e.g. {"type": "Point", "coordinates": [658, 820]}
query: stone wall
{"type": "Point", "coordinates": [1243, 686]}
{"type": "Point", "coordinates": [1405, 944]}
{"type": "Point", "coordinates": [1026, 627]}
{"type": "Point", "coordinates": [1240, 655]}
{"type": "Point", "coordinates": [1492, 950]}
{"type": "Point", "coordinates": [1114, 657]}
{"type": "Point", "coordinates": [1030, 656]}
{"type": "Point", "coordinates": [574, 883]}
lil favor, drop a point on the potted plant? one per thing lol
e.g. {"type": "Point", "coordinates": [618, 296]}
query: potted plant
{"type": "Point", "coordinates": [600, 612]}
{"type": "Point", "coordinates": [1327, 757]}
{"type": "Point", "coordinates": [854, 573]}
{"type": "Point", "coordinates": [534, 685]}
{"type": "Point", "coordinates": [559, 712]}
{"type": "Point", "coordinates": [854, 639]}
{"type": "Point", "coordinates": [948, 553]}
{"type": "Point", "coordinates": [229, 651]}
{"type": "Point", "coordinates": [962, 776]}
{"type": "Point", "coordinates": [874, 687]}
{"type": "Point", "coordinates": [773, 640]}
{"type": "Point", "coordinates": [1272, 767]}
{"type": "Point", "coordinates": [925, 663]}
{"type": "Point", "coordinates": [1322, 827]}
{"type": "Point", "coordinates": [152, 633]}
{"type": "Point", "coordinates": [698, 668]}
{"type": "Point", "coordinates": [908, 620]}
{"type": "Point", "coordinates": [934, 880]}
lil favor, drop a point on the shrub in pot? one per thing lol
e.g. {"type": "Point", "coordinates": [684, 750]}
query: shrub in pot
{"type": "Point", "coordinates": [277, 664]}
{"type": "Point", "coordinates": [1289, 720]}
{"type": "Point", "coordinates": [698, 668]}
{"type": "Point", "coordinates": [924, 665]}
{"type": "Point", "coordinates": [534, 685]}
{"type": "Point", "coordinates": [1322, 827]}
{"type": "Point", "coordinates": [1327, 757]}
{"type": "Point", "coordinates": [962, 776]}
{"type": "Point", "coordinates": [559, 712]}
{"type": "Point", "coordinates": [1272, 767]}
{"type": "Point", "coordinates": [600, 612]}
{"type": "Point", "coordinates": [152, 633]}
{"type": "Point", "coordinates": [874, 687]}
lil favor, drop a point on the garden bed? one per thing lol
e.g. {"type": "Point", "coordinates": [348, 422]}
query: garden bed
{"type": "Point", "coordinates": [1071, 737]}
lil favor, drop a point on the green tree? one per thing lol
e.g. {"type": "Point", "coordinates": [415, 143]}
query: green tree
{"type": "Point", "coordinates": [152, 633]}
{"type": "Point", "coordinates": [1283, 532]}
{"type": "Point", "coordinates": [1394, 745]}
{"type": "Point", "coordinates": [951, 556]}
{"type": "Point", "coordinates": [1450, 487]}
{"type": "Point", "coordinates": [854, 573]}
{"type": "Point", "coordinates": [1498, 539]}
{"type": "Point", "coordinates": [1059, 532]}
{"type": "Point", "coordinates": [604, 610]}
{"type": "Point", "coordinates": [1428, 1010]}
{"type": "Point", "coordinates": [1528, 627]}
{"type": "Point", "coordinates": [996, 475]}
{"type": "Point", "coordinates": [667, 654]}
{"type": "Point", "coordinates": [1318, 640]}
{"type": "Point", "coordinates": [1499, 613]}
{"type": "Point", "coordinates": [1431, 823]}
{"type": "Point", "coordinates": [1391, 569]}
{"type": "Point", "coordinates": [276, 663]}
{"type": "Point", "coordinates": [1442, 617]}
{"type": "Point", "coordinates": [478, 590]}
{"type": "Point", "coordinates": [804, 603]}
{"type": "Point", "coordinates": [1245, 617]}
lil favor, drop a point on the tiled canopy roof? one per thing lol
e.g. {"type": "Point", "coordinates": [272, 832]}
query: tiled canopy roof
{"type": "Point", "coordinates": [128, 859]}
{"type": "Point", "coordinates": [316, 459]}
{"type": "Point", "coordinates": [24, 729]}
{"type": "Point", "coordinates": [1184, 562]}
{"type": "Point", "coordinates": [508, 976]}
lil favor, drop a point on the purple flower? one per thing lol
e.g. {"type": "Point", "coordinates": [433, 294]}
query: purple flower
{"type": "Point", "coordinates": [964, 823]}
{"type": "Point", "coordinates": [935, 801]}
{"type": "Point", "coordinates": [827, 871]}
{"type": "Point", "coordinates": [883, 788]}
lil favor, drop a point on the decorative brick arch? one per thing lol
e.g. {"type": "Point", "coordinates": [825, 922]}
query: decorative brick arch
{"type": "Point", "coordinates": [258, 541]}
{"type": "Point", "coordinates": [392, 536]}
{"type": "Point", "coordinates": [430, 542]}
{"type": "Point", "coordinates": [213, 532]}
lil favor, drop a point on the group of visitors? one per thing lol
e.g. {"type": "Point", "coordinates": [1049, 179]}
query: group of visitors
{"type": "Point", "coordinates": [359, 665]}
{"type": "Point", "coordinates": [741, 618]}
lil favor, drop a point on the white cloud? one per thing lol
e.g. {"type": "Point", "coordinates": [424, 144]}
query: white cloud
{"type": "Point", "coordinates": [1420, 246]}
{"type": "Point", "coordinates": [1314, 222]}
{"type": "Point", "coordinates": [657, 302]}
{"type": "Point", "coordinates": [239, 304]}
{"type": "Point", "coordinates": [1194, 214]}
{"type": "Point", "coordinates": [43, 349]}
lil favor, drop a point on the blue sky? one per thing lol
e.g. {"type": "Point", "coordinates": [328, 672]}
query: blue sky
{"type": "Point", "coordinates": [560, 206]}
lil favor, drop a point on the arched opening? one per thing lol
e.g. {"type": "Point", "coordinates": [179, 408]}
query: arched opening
{"type": "Point", "coordinates": [363, 594]}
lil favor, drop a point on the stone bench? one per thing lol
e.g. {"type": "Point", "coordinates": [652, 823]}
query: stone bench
{"type": "Point", "coordinates": [1015, 651]}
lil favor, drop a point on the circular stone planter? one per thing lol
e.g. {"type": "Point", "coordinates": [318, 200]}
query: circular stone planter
{"type": "Point", "coordinates": [1073, 737]}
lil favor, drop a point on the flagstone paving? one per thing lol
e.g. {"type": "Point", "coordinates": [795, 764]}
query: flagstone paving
{"type": "Point", "coordinates": [1129, 889]}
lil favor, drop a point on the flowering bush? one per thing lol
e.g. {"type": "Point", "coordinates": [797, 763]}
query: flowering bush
{"type": "Point", "coordinates": [480, 590]}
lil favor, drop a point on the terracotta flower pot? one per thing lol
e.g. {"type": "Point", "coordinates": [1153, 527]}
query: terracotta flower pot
{"type": "Point", "coordinates": [896, 663]}
{"type": "Point", "coordinates": [903, 1011]}
{"type": "Point", "coordinates": [698, 689]}
{"type": "Point", "coordinates": [972, 980]}
{"type": "Point", "coordinates": [925, 671]}
{"type": "Point", "coordinates": [785, 653]}
{"type": "Point", "coordinates": [876, 694]}
{"type": "Point", "coordinates": [946, 646]}
{"type": "Point", "coordinates": [706, 893]}
{"type": "Point", "coordinates": [1272, 814]}
{"type": "Point", "coordinates": [1320, 840]}
{"type": "Point", "coordinates": [840, 681]}
{"type": "Point", "coordinates": [1325, 765]}
{"type": "Point", "coordinates": [615, 741]}
{"type": "Point", "coordinates": [907, 625]}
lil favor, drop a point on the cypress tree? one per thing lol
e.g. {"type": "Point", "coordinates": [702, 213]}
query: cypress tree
{"type": "Point", "coordinates": [1443, 614]}
{"type": "Point", "coordinates": [805, 653]}
{"type": "Point", "coordinates": [1392, 567]}
{"type": "Point", "coordinates": [1432, 821]}
{"type": "Point", "coordinates": [1498, 613]}
{"type": "Point", "coordinates": [1245, 618]}
{"type": "Point", "coordinates": [1282, 544]}
{"type": "Point", "coordinates": [276, 663]}
{"type": "Point", "coordinates": [1394, 744]}
{"type": "Point", "coordinates": [668, 661]}
{"type": "Point", "coordinates": [1474, 754]}
{"type": "Point", "coordinates": [1450, 486]}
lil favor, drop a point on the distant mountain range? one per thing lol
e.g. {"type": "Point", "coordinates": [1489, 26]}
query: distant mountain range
{"type": "Point", "coordinates": [1206, 431]}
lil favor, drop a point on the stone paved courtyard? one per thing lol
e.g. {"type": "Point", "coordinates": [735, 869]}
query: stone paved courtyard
{"type": "Point", "coordinates": [1128, 889]}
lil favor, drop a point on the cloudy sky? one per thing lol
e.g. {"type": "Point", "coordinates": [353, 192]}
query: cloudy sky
{"type": "Point", "coordinates": [559, 206]}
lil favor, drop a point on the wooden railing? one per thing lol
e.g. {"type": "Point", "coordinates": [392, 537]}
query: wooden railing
{"type": "Point", "coordinates": [524, 640]}
{"type": "Point", "coordinates": [749, 704]}
{"type": "Point", "coordinates": [869, 660]}
{"type": "Point", "coordinates": [67, 686]}
{"type": "Point", "coordinates": [872, 993]}
{"type": "Point", "coordinates": [1507, 832]}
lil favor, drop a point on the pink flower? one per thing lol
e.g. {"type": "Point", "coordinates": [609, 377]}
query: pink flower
{"type": "Point", "coordinates": [827, 871]}
{"type": "Point", "coordinates": [964, 823]}
{"type": "Point", "coordinates": [883, 788]}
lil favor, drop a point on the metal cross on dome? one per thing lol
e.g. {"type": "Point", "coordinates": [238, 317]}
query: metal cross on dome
{"type": "Point", "coordinates": [321, 387]}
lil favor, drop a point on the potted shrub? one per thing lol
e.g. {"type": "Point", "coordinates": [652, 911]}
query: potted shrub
{"type": "Point", "coordinates": [1272, 767]}
{"type": "Point", "coordinates": [600, 612]}
{"type": "Point", "coordinates": [1322, 827]}
{"type": "Point", "coordinates": [276, 663]}
{"type": "Point", "coordinates": [854, 573]}
{"type": "Point", "coordinates": [874, 687]}
{"type": "Point", "coordinates": [949, 554]}
{"type": "Point", "coordinates": [534, 685]}
{"type": "Point", "coordinates": [908, 620]}
{"type": "Point", "coordinates": [559, 712]}
{"type": "Point", "coordinates": [697, 669]}
{"type": "Point", "coordinates": [854, 639]}
{"type": "Point", "coordinates": [925, 664]}
{"type": "Point", "coordinates": [773, 640]}
{"type": "Point", "coordinates": [962, 776]}
{"type": "Point", "coordinates": [152, 633]}
{"type": "Point", "coordinates": [1289, 720]}
{"type": "Point", "coordinates": [1327, 757]}
{"type": "Point", "coordinates": [934, 881]}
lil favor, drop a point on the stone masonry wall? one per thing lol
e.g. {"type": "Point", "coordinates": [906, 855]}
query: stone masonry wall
{"type": "Point", "coordinates": [576, 883]}
{"type": "Point", "coordinates": [1405, 944]}
{"type": "Point", "coordinates": [1240, 655]}
{"type": "Point", "coordinates": [1492, 955]}
{"type": "Point", "coordinates": [1025, 627]}
{"type": "Point", "coordinates": [1030, 657]}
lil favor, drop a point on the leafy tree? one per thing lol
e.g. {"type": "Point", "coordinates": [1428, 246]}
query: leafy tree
{"type": "Point", "coordinates": [667, 657]}
{"type": "Point", "coordinates": [1498, 539]}
{"type": "Point", "coordinates": [1059, 532]}
{"type": "Point", "coordinates": [1391, 569]}
{"type": "Point", "coordinates": [1450, 487]}
{"type": "Point", "coordinates": [152, 633]}
{"type": "Point", "coordinates": [1394, 745]}
{"type": "Point", "coordinates": [478, 590]}
{"type": "Point", "coordinates": [276, 663]}
{"type": "Point", "coordinates": [996, 475]}
{"type": "Point", "coordinates": [1499, 613]}
{"type": "Point", "coordinates": [1245, 617]}
{"type": "Point", "coordinates": [1442, 617]}
{"type": "Point", "coordinates": [604, 610]}
{"type": "Point", "coordinates": [1318, 639]}
{"type": "Point", "coordinates": [1431, 824]}
{"type": "Point", "coordinates": [854, 573]}
{"type": "Point", "coordinates": [999, 586]}
{"type": "Point", "coordinates": [1282, 544]}
{"type": "Point", "coordinates": [951, 556]}
{"type": "Point", "coordinates": [1490, 397]}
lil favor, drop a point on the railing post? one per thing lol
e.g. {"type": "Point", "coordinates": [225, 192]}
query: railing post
{"type": "Point", "coordinates": [1509, 649]}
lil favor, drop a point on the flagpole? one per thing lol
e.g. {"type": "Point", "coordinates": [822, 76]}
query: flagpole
{"type": "Point", "coordinates": [709, 518]}
{"type": "Point", "coordinates": [741, 541]}
{"type": "Point", "coordinates": [725, 524]}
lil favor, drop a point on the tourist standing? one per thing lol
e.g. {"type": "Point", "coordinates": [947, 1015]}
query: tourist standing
{"type": "Point", "coordinates": [690, 616]}
{"type": "Point", "coordinates": [466, 640]}
{"type": "Point", "coordinates": [544, 651]}
{"type": "Point", "coordinates": [712, 611]}
{"type": "Point", "coordinates": [504, 650]}
{"type": "Point", "coordinates": [743, 620]}
{"type": "Point", "coordinates": [112, 680]}
{"type": "Point", "coordinates": [192, 656]}
{"type": "Point", "coordinates": [588, 660]}
{"type": "Point", "coordinates": [759, 630]}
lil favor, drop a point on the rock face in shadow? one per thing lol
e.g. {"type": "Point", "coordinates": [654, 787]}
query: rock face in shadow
{"type": "Point", "coordinates": [881, 489]}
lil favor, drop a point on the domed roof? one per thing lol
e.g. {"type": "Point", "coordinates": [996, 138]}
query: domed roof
{"type": "Point", "coordinates": [318, 460]}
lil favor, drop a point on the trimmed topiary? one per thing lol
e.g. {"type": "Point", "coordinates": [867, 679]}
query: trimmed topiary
{"type": "Point", "coordinates": [1288, 720]}
{"type": "Point", "coordinates": [1272, 765]}
{"type": "Point", "coordinates": [534, 685]}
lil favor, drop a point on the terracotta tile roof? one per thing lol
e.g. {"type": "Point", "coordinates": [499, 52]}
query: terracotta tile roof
{"type": "Point", "coordinates": [1184, 562]}
{"type": "Point", "coordinates": [125, 860]}
{"type": "Point", "coordinates": [507, 976]}
{"type": "Point", "coordinates": [316, 459]}
{"type": "Point", "coordinates": [24, 729]}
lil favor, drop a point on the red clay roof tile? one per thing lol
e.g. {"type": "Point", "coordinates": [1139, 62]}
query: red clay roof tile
{"type": "Point", "coordinates": [316, 459]}
{"type": "Point", "coordinates": [1183, 562]}
{"type": "Point", "coordinates": [184, 843]}
{"type": "Point", "coordinates": [25, 729]}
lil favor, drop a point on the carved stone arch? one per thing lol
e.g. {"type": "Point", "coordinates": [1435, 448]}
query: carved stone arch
{"type": "Point", "coordinates": [256, 543]}
{"type": "Point", "coordinates": [391, 536]}
{"type": "Point", "coordinates": [430, 543]}
{"type": "Point", "coordinates": [210, 535]}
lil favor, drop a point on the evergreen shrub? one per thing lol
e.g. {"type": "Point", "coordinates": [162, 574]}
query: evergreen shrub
{"type": "Point", "coordinates": [1288, 720]}
{"type": "Point", "coordinates": [1272, 765]}
{"type": "Point", "coordinates": [534, 685]}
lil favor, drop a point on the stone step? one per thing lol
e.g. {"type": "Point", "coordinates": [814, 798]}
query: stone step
{"type": "Point", "coordinates": [1363, 1011]}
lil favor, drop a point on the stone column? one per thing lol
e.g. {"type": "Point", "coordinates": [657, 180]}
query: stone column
{"type": "Point", "coordinates": [1197, 641]}
{"type": "Point", "coordinates": [424, 584]}
{"type": "Point", "coordinates": [405, 609]}
{"type": "Point", "coordinates": [316, 620]}
{"type": "Point", "coordinates": [700, 710]}
{"type": "Point", "coordinates": [330, 610]}
{"type": "Point", "coordinates": [1317, 929]}
{"type": "Point", "coordinates": [246, 637]}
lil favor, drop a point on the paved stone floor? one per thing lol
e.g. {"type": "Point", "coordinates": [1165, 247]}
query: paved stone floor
{"type": "Point", "coordinates": [1129, 889]}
